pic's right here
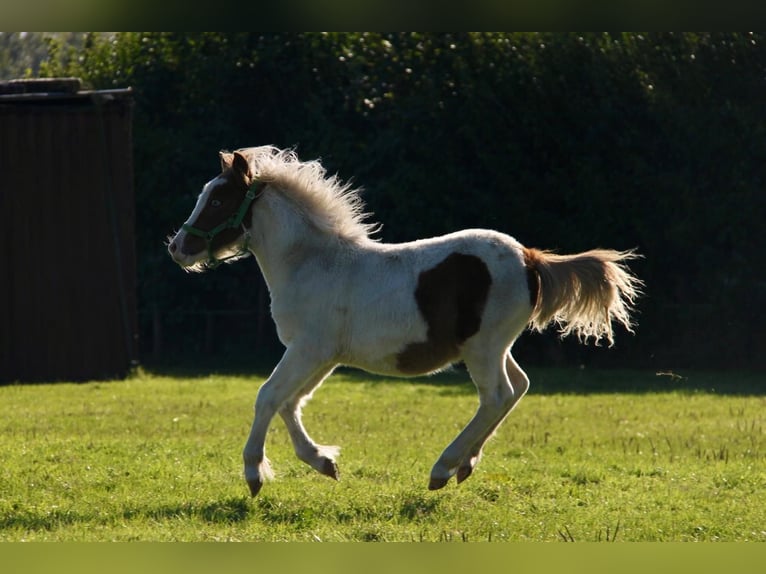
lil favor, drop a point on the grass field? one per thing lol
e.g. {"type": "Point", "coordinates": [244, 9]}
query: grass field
{"type": "Point", "coordinates": [586, 456]}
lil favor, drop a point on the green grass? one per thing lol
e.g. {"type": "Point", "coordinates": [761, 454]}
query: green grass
{"type": "Point", "coordinates": [158, 458]}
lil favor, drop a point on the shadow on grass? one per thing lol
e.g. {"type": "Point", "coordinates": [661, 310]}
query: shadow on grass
{"type": "Point", "coordinates": [48, 520]}
{"type": "Point", "coordinates": [196, 368]}
{"type": "Point", "coordinates": [544, 380]}
{"type": "Point", "coordinates": [414, 508]}
{"type": "Point", "coordinates": [226, 511]}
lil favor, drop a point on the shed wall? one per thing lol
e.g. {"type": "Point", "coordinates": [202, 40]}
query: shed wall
{"type": "Point", "coordinates": [67, 218]}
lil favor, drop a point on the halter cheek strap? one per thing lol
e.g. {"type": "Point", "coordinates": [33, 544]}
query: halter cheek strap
{"type": "Point", "coordinates": [232, 222]}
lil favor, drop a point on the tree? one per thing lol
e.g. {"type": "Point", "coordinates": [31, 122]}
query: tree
{"type": "Point", "coordinates": [566, 141]}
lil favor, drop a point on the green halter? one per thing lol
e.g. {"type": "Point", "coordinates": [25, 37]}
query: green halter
{"type": "Point", "coordinates": [232, 222]}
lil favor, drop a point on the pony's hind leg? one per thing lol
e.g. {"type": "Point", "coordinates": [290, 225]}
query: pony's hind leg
{"type": "Point", "coordinates": [520, 384]}
{"type": "Point", "coordinates": [296, 367]}
{"type": "Point", "coordinates": [320, 457]}
{"type": "Point", "coordinates": [501, 384]}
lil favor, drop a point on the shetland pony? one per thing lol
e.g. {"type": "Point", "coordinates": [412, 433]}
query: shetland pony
{"type": "Point", "coordinates": [339, 297]}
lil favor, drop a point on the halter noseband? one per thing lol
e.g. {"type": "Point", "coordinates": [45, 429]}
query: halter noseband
{"type": "Point", "coordinates": [232, 222]}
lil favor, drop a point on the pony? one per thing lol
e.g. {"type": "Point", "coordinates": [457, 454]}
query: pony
{"type": "Point", "coordinates": [341, 297]}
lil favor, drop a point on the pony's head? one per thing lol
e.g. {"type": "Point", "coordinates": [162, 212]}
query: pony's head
{"type": "Point", "coordinates": [218, 228]}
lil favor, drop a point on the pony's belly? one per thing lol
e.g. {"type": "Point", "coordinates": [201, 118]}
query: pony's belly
{"type": "Point", "coordinates": [412, 361]}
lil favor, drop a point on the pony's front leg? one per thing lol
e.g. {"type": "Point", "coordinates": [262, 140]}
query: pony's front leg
{"type": "Point", "coordinates": [320, 457]}
{"type": "Point", "coordinates": [297, 366]}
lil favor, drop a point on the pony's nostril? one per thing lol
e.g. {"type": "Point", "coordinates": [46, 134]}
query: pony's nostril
{"type": "Point", "coordinates": [172, 247]}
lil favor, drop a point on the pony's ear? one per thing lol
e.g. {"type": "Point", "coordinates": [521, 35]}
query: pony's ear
{"type": "Point", "coordinates": [240, 164]}
{"type": "Point", "coordinates": [226, 159]}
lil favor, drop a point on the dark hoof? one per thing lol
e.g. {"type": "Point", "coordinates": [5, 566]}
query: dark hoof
{"type": "Point", "coordinates": [329, 468]}
{"type": "Point", "coordinates": [255, 486]}
{"type": "Point", "coordinates": [463, 472]}
{"type": "Point", "coordinates": [437, 483]}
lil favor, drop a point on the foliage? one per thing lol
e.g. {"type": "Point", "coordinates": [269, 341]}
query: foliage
{"type": "Point", "coordinates": [566, 141]}
{"type": "Point", "coordinates": [23, 53]}
{"type": "Point", "coordinates": [158, 458]}
{"type": "Point", "coordinates": [20, 54]}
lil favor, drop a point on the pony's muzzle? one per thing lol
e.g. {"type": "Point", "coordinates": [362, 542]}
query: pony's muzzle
{"type": "Point", "coordinates": [177, 251]}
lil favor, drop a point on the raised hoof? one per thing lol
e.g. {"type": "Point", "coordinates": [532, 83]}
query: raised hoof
{"type": "Point", "coordinates": [437, 483]}
{"type": "Point", "coordinates": [463, 472]}
{"type": "Point", "coordinates": [255, 486]}
{"type": "Point", "coordinates": [329, 468]}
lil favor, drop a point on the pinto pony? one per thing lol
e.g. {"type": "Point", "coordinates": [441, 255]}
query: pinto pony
{"type": "Point", "coordinates": [339, 297]}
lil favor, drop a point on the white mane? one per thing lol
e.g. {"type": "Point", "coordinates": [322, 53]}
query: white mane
{"type": "Point", "coordinates": [331, 205]}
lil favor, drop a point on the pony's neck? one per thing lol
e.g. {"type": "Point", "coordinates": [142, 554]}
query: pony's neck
{"type": "Point", "coordinates": [283, 238]}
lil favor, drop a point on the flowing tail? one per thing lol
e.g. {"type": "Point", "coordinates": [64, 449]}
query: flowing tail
{"type": "Point", "coordinates": [582, 293]}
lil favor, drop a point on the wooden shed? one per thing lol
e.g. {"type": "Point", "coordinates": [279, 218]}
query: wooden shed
{"type": "Point", "coordinates": [67, 217]}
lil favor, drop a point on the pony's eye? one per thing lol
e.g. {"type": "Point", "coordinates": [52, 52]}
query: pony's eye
{"type": "Point", "coordinates": [215, 202]}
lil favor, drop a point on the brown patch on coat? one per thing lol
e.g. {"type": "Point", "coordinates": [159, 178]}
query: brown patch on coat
{"type": "Point", "coordinates": [451, 298]}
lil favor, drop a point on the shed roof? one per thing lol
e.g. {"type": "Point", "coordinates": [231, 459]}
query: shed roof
{"type": "Point", "coordinates": [53, 89]}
